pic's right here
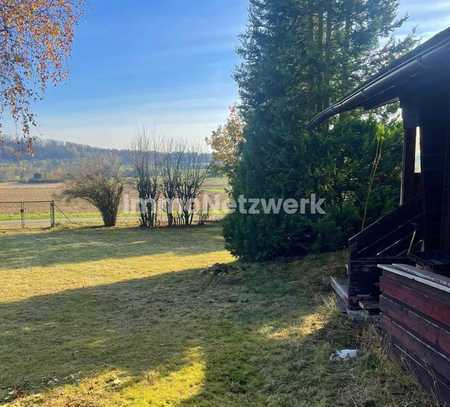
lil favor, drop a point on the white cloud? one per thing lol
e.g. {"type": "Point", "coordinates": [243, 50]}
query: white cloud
{"type": "Point", "coordinates": [429, 17]}
{"type": "Point", "coordinates": [418, 6]}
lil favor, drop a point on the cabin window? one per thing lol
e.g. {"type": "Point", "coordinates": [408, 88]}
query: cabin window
{"type": "Point", "coordinates": [418, 163]}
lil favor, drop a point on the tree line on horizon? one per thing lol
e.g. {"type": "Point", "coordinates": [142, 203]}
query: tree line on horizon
{"type": "Point", "coordinates": [52, 160]}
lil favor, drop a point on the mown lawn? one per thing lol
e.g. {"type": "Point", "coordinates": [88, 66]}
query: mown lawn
{"type": "Point", "coordinates": [125, 317]}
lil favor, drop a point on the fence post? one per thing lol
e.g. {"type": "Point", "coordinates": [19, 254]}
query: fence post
{"type": "Point", "coordinates": [52, 214]}
{"type": "Point", "coordinates": [22, 214]}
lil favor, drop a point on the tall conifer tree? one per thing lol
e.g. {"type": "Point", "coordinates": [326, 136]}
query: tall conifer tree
{"type": "Point", "coordinates": [299, 56]}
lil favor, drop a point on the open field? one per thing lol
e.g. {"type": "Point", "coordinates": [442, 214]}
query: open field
{"type": "Point", "coordinates": [77, 211]}
{"type": "Point", "coordinates": [125, 317]}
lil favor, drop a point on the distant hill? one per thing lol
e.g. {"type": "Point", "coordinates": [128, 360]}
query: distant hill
{"type": "Point", "coordinates": [51, 160]}
{"type": "Point", "coordinates": [11, 150]}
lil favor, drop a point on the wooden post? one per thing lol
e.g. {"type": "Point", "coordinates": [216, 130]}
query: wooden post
{"type": "Point", "coordinates": [435, 169]}
{"type": "Point", "coordinates": [52, 214]}
{"type": "Point", "coordinates": [22, 214]}
{"type": "Point", "coordinates": [445, 219]}
{"type": "Point", "coordinates": [410, 123]}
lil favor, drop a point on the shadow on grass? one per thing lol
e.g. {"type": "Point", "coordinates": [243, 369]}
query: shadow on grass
{"type": "Point", "coordinates": [149, 325]}
{"type": "Point", "coordinates": [258, 335]}
{"type": "Point", "coordinates": [72, 246]}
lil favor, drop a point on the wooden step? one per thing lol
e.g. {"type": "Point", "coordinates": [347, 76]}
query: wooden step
{"type": "Point", "coordinates": [340, 287]}
{"type": "Point", "coordinates": [370, 305]}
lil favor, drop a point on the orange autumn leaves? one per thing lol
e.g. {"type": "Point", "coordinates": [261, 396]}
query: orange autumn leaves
{"type": "Point", "coordinates": [35, 40]}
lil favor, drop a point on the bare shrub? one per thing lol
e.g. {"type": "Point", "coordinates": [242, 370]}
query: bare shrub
{"type": "Point", "coordinates": [146, 159]}
{"type": "Point", "coordinates": [203, 215]}
{"type": "Point", "coordinates": [98, 181]}
{"type": "Point", "coordinates": [193, 175]}
{"type": "Point", "coordinates": [171, 169]}
{"type": "Point", "coordinates": [183, 172]}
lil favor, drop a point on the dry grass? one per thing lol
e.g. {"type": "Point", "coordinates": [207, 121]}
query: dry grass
{"type": "Point", "coordinates": [16, 192]}
{"type": "Point", "coordinates": [125, 317]}
{"type": "Point", "coordinates": [78, 211]}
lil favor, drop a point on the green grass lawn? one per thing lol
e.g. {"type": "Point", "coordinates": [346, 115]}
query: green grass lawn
{"type": "Point", "coordinates": [61, 218]}
{"type": "Point", "coordinates": [126, 317]}
{"type": "Point", "coordinates": [91, 218]}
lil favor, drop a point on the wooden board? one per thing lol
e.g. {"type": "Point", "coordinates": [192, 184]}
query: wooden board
{"type": "Point", "coordinates": [417, 298]}
{"type": "Point", "coordinates": [414, 273]}
{"type": "Point", "coordinates": [434, 384]}
{"type": "Point", "coordinates": [431, 333]}
{"type": "Point", "coordinates": [386, 226]}
{"type": "Point", "coordinates": [426, 354]}
{"type": "Point", "coordinates": [434, 289]}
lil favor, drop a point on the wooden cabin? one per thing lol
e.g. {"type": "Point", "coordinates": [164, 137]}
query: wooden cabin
{"type": "Point", "coordinates": [399, 266]}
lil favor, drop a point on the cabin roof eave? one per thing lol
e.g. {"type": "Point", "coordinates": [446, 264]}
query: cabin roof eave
{"type": "Point", "coordinates": [386, 87]}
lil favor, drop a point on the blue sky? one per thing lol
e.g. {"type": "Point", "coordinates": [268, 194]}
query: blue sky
{"type": "Point", "coordinates": [163, 64]}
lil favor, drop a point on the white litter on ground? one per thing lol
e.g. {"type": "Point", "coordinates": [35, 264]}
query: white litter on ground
{"type": "Point", "coordinates": [344, 354]}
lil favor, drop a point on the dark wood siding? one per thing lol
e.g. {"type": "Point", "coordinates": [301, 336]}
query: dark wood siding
{"type": "Point", "coordinates": [416, 320]}
{"type": "Point", "coordinates": [435, 125]}
{"type": "Point", "coordinates": [420, 299]}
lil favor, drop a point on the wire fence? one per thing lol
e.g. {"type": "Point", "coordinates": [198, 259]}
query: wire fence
{"type": "Point", "coordinates": [24, 214]}
{"type": "Point", "coordinates": [46, 214]}
{"type": "Point", "coordinates": [49, 214]}
{"type": "Point", "coordinates": [41, 214]}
